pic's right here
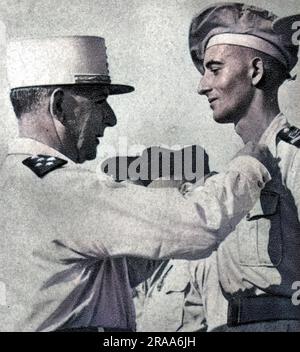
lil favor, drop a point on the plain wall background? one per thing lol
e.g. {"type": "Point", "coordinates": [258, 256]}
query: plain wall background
{"type": "Point", "coordinates": [147, 45]}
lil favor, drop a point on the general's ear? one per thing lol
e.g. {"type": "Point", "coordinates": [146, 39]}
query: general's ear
{"type": "Point", "coordinates": [56, 104]}
{"type": "Point", "coordinates": [257, 70]}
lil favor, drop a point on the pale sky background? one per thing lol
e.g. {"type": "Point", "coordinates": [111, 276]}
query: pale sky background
{"type": "Point", "coordinates": [147, 44]}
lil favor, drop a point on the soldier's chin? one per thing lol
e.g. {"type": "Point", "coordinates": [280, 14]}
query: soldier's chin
{"type": "Point", "coordinates": [222, 117]}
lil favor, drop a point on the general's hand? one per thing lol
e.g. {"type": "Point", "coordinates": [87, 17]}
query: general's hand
{"type": "Point", "coordinates": [262, 154]}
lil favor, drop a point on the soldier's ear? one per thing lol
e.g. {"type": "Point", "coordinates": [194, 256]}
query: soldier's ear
{"type": "Point", "coordinates": [56, 104]}
{"type": "Point", "coordinates": [257, 70]}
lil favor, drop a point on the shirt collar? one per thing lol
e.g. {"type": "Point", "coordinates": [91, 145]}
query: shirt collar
{"type": "Point", "coordinates": [269, 136]}
{"type": "Point", "coordinates": [28, 146]}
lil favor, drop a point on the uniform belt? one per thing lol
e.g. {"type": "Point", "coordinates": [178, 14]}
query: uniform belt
{"type": "Point", "coordinates": [244, 310]}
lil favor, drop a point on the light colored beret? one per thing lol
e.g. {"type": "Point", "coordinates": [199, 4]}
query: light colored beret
{"type": "Point", "coordinates": [247, 26]}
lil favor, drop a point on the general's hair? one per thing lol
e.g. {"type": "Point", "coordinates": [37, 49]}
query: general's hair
{"type": "Point", "coordinates": [25, 100]}
{"type": "Point", "coordinates": [28, 99]}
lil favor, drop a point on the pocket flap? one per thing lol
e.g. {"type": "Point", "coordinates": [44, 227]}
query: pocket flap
{"type": "Point", "coordinates": [265, 206]}
{"type": "Point", "coordinates": [178, 278]}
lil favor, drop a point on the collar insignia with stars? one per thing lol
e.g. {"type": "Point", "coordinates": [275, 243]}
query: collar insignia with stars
{"type": "Point", "coordinates": [43, 164]}
{"type": "Point", "coordinates": [290, 135]}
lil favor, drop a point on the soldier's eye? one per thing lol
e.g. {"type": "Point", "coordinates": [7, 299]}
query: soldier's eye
{"type": "Point", "coordinates": [215, 69]}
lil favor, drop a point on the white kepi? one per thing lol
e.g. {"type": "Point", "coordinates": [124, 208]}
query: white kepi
{"type": "Point", "coordinates": [56, 61]}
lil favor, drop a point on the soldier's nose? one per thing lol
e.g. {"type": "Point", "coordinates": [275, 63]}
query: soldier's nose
{"type": "Point", "coordinates": [203, 87]}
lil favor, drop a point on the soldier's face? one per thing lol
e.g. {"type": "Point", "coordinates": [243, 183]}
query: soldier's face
{"type": "Point", "coordinates": [91, 115]}
{"type": "Point", "coordinates": [226, 82]}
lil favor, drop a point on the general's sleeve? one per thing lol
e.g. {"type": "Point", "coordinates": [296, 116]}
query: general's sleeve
{"type": "Point", "coordinates": [160, 223]}
{"type": "Point", "coordinates": [140, 269]}
{"type": "Point", "coordinates": [226, 198]}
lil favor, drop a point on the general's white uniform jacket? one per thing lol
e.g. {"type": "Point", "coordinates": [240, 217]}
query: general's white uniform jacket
{"type": "Point", "coordinates": [67, 240]}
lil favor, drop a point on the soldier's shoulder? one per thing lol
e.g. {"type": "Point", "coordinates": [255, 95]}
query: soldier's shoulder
{"type": "Point", "coordinates": [290, 135]}
{"type": "Point", "coordinates": [288, 148]}
{"type": "Point", "coordinates": [289, 152]}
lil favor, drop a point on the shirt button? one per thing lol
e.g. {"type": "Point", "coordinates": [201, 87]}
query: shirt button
{"type": "Point", "coordinates": [260, 184]}
{"type": "Point", "coordinates": [248, 216]}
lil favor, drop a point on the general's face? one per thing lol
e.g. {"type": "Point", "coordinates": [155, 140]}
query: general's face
{"type": "Point", "coordinates": [227, 82]}
{"type": "Point", "coordinates": [91, 115]}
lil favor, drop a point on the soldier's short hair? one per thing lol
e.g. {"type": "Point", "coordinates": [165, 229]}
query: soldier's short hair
{"type": "Point", "coordinates": [275, 73]}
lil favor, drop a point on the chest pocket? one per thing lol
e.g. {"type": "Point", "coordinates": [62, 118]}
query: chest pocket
{"type": "Point", "coordinates": [165, 301]}
{"type": "Point", "coordinates": [260, 234]}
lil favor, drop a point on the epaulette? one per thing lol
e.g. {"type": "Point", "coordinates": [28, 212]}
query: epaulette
{"type": "Point", "coordinates": [290, 135]}
{"type": "Point", "coordinates": [43, 164]}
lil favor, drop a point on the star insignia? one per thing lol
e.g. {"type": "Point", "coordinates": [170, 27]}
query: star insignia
{"type": "Point", "coordinates": [43, 164]}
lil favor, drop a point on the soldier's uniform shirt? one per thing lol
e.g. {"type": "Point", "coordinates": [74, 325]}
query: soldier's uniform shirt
{"type": "Point", "coordinates": [65, 237]}
{"type": "Point", "coordinates": [262, 255]}
{"type": "Point", "coordinates": [168, 301]}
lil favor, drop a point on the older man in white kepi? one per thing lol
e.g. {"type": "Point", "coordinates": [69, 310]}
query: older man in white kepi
{"type": "Point", "coordinates": [67, 238]}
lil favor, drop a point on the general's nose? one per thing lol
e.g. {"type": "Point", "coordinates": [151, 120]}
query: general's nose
{"type": "Point", "coordinates": [110, 117]}
{"type": "Point", "coordinates": [203, 87]}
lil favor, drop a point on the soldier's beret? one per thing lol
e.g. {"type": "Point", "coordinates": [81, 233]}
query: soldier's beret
{"type": "Point", "coordinates": [248, 26]}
